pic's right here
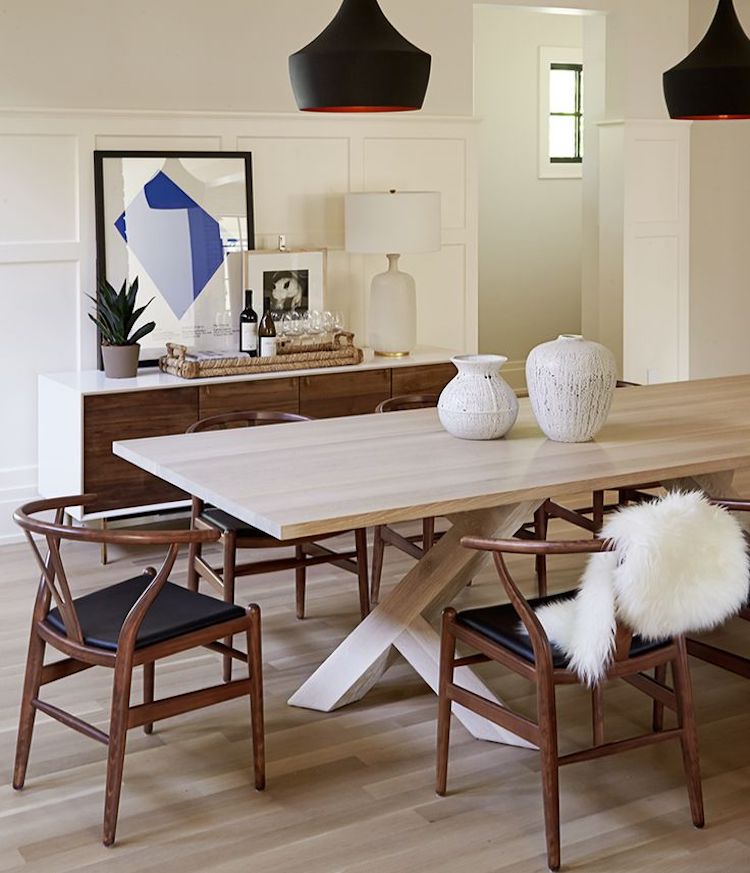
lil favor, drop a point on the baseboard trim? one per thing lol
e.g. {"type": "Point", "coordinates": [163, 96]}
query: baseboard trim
{"type": "Point", "coordinates": [17, 486]}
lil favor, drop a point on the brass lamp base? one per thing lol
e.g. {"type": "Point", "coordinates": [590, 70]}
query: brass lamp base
{"type": "Point", "coordinates": [392, 354]}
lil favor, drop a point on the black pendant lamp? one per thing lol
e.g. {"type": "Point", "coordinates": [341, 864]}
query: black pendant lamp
{"type": "Point", "coordinates": [360, 63]}
{"type": "Point", "coordinates": [713, 82]}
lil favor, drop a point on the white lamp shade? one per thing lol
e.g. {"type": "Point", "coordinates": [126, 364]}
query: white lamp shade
{"type": "Point", "coordinates": [393, 223]}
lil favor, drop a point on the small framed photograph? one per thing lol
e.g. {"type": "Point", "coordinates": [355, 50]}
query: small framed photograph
{"type": "Point", "coordinates": [291, 281]}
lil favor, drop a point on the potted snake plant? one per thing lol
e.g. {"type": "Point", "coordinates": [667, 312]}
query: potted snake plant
{"type": "Point", "coordinates": [116, 315]}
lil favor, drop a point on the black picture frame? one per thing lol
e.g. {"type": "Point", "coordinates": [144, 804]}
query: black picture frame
{"type": "Point", "coordinates": [100, 208]}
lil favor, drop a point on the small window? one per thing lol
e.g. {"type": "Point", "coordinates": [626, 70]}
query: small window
{"type": "Point", "coordinates": [560, 113]}
{"type": "Point", "coordinates": [566, 113]}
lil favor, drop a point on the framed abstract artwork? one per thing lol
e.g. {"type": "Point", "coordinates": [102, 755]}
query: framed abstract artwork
{"type": "Point", "coordinates": [291, 280]}
{"type": "Point", "coordinates": [181, 222]}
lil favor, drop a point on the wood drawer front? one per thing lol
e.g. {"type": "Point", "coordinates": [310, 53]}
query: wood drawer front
{"type": "Point", "coordinates": [277, 395]}
{"type": "Point", "coordinates": [341, 394]}
{"type": "Point", "coordinates": [133, 415]}
{"type": "Point", "coordinates": [422, 380]}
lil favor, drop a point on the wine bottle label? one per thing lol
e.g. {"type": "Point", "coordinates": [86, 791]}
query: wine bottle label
{"type": "Point", "coordinates": [249, 339]}
{"type": "Point", "coordinates": [267, 346]}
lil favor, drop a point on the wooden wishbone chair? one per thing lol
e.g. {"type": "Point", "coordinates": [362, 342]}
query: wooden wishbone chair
{"type": "Point", "coordinates": [235, 534]}
{"type": "Point", "coordinates": [123, 626]}
{"type": "Point", "coordinates": [494, 632]}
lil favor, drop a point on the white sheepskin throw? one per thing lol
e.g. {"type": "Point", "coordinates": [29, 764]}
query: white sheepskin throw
{"type": "Point", "coordinates": [680, 565]}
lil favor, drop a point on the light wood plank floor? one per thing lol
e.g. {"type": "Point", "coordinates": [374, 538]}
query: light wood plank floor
{"type": "Point", "coordinates": [352, 790]}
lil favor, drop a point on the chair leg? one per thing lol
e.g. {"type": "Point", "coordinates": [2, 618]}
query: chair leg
{"type": "Point", "coordinates": [118, 734]}
{"type": "Point", "coordinates": [447, 656]}
{"type": "Point", "coordinates": [103, 553]}
{"type": "Point", "coordinates": [598, 509]}
{"type": "Point", "coordinates": [148, 692]}
{"type": "Point", "coordinates": [428, 533]}
{"type": "Point", "coordinates": [550, 769]}
{"type": "Point", "coordinates": [360, 540]}
{"type": "Point", "coordinates": [597, 712]}
{"type": "Point", "coordinates": [255, 668]}
{"type": "Point", "coordinates": [195, 550]}
{"type": "Point", "coordinates": [227, 577]}
{"type": "Point", "coordinates": [378, 552]}
{"type": "Point", "coordinates": [660, 675]}
{"type": "Point", "coordinates": [31, 684]}
{"type": "Point", "coordinates": [689, 736]}
{"type": "Point", "coordinates": [541, 523]}
{"type": "Point", "coordinates": [300, 583]}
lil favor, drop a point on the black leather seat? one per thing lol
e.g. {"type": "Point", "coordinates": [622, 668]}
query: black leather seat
{"type": "Point", "coordinates": [176, 611]}
{"type": "Point", "coordinates": [227, 523]}
{"type": "Point", "coordinates": [502, 625]}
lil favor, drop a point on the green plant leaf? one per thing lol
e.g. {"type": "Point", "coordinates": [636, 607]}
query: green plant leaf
{"type": "Point", "coordinates": [105, 323]}
{"type": "Point", "coordinates": [137, 314]}
{"type": "Point", "coordinates": [104, 331]}
{"type": "Point", "coordinates": [141, 332]}
{"type": "Point", "coordinates": [132, 294]}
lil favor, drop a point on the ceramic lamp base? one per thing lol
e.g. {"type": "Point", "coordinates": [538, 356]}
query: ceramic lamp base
{"type": "Point", "coordinates": [393, 312]}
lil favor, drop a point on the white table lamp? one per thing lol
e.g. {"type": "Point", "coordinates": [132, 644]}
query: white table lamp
{"type": "Point", "coordinates": [393, 223]}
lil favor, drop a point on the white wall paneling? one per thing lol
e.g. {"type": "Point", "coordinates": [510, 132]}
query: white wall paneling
{"type": "Point", "coordinates": [656, 262]}
{"type": "Point", "coordinates": [302, 168]}
{"type": "Point", "coordinates": [644, 208]}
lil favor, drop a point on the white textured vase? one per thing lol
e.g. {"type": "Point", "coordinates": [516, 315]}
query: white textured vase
{"type": "Point", "coordinates": [478, 404]}
{"type": "Point", "coordinates": [571, 382]}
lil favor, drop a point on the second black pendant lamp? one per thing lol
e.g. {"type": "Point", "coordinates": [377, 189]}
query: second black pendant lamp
{"type": "Point", "coordinates": [713, 82]}
{"type": "Point", "coordinates": [360, 63]}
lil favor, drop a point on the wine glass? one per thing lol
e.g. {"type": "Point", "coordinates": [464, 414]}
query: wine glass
{"type": "Point", "coordinates": [327, 321]}
{"type": "Point", "coordinates": [296, 324]}
{"type": "Point", "coordinates": [315, 322]}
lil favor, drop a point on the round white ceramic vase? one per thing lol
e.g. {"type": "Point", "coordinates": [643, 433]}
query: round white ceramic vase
{"type": "Point", "coordinates": [478, 404]}
{"type": "Point", "coordinates": [571, 382]}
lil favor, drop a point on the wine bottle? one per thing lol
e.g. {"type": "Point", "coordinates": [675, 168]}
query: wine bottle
{"type": "Point", "coordinates": [249, 327]}
{"type": "Point", "coordinates": [267, 335]}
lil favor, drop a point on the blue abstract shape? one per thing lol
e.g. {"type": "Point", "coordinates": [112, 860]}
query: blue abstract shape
{"type": "Point", "coordinates": [195, 244]}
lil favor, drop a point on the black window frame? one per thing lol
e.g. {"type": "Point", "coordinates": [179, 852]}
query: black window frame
{"type": "Point", "coordinates": [577, 114]}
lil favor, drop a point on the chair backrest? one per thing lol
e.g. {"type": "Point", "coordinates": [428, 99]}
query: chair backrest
{"type": "Point", "coordinates": [408, 401]}
{"type": "Point", "coordinates": [54, 585]}
{"type": "Point", "coordinates": [539, 641]}
{"type": "Point", "coordinates": [250, 418]}
{"type": "Point", "coordinates": [681, 566]}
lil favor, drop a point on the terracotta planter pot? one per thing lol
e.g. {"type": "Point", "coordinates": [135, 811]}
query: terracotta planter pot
{"type": "Point", "coordinates": [121, 362]}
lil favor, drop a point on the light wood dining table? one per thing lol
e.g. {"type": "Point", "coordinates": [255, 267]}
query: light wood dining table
{"type": "Point", "coordinates": [318, 477]}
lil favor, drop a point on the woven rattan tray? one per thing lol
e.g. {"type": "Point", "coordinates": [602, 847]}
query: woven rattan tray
{"type": "Point", "coordinates": [337, 350]}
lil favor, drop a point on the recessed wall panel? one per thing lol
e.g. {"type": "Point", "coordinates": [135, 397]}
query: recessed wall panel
{"type": "Point", "coordinates": [38, 189]}
{"type": "Point", "coordinates": [39, 302]}
{"type": "Point", "coordinates": [421, 165]}
{"type": "Point", "coordinates": [299, 185]}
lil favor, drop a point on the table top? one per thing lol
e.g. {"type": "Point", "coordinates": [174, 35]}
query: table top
{"type": "Point", "coordinates": [315, 477]}
{"type": "Point", "coordinates": [87, 382]}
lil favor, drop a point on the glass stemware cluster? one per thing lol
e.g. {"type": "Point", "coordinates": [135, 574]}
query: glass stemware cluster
{"type": "Point", "coordinates": [309, 323]}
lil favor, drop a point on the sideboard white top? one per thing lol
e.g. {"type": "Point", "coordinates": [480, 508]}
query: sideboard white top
{"type": "Point", "coordinates": [87, 382]}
